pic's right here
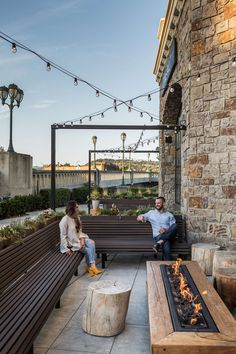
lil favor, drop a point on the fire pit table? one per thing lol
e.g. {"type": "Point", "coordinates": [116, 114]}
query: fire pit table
{"type": "Point", "coordinates": [185, 312]}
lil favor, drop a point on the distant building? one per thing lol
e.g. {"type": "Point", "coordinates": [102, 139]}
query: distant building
{"type": "Point", "coordinates": [66, 167]}
{"type": "Point", "coordinates": [100, 165]}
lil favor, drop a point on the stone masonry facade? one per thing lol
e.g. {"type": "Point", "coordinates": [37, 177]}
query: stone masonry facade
{"type": "Point", "coordinates": [206, 45]}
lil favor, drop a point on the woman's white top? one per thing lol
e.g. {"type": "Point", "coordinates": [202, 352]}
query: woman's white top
{"type": "Point", "coordinates": [69, 236]}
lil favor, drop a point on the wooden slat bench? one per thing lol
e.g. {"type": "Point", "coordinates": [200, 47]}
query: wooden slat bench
{"type": "Point", "coordinates": [126, 204]}
{"type": "Point", "coordinates": [33, 277]}
{"type": "Point", "coordinates": [114, 234]}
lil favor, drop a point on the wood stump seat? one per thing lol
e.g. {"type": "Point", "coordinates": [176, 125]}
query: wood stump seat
{"type": "Point", "coordinates": [226, 286]}
{"type": "Point", "coordinates": [203, 253]}
{"type": "Point", "coordinates": [106, 308]}
{"type": "Point", "coordinates": [223, 259]}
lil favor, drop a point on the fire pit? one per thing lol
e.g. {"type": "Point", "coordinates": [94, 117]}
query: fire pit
{"type": "Point", "coordinates": [182, 305]}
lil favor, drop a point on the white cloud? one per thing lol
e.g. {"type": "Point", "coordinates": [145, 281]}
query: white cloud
{"type": "Point", "coordinates": [43, 104]}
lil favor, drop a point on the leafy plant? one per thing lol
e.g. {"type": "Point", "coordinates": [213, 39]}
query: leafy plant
{"type": "Point", "coordinates": [95, 194]}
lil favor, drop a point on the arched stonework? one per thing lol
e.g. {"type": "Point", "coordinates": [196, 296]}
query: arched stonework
{"type": "Point", "coordinates": [173, 105]}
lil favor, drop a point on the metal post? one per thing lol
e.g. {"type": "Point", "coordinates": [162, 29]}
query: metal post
{"type": "Point", "coordinates": [94, 155]}
{"type": "Point", "coordinates": [53, 167]}
{"type": "Point", "coordinates": [10, 147]}
{"type": "Point", "coordinates": [123, 156]}
{"type": "Point", "coordinates": [89, 182]}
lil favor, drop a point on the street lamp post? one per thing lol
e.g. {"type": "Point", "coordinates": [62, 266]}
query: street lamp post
{"type": "Point", "coordinates": [15, 95]}
{"type": "Point", "coordinates": [148, 169]}
{"type": "Point", "coordinates": [123, 137]}
{"type": "Point", "coordinates": [94, 139]}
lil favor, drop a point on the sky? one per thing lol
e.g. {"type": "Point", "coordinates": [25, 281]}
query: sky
{"type": "Point", "coordinates": [111, 44]}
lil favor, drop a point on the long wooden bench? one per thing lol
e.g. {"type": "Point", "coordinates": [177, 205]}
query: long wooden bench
{"type": "Point", "coordinates": [33, 277]}
{"type": "Point", "coordinates": [114, 234]}
{"type": "Point", "coordinates": [126, 204]}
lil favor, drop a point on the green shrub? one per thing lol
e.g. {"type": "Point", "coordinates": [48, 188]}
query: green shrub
{"type": "Point", "coordinates": [80, 194]}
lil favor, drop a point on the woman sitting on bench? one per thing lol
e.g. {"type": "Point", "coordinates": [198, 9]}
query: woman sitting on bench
{"type": "Point", "coordinates": [73, 239]}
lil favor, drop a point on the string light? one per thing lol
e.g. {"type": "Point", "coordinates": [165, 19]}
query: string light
{"type": "Point", "coordinates": [131, 103]}
{"type": "Point", "coordinates": [115, 109]}
{"type": "Point", "coordinates": [13, 48]}
{"type": "Point", "coordinates": [141, 114]}
{"type": "Point", "coordinates": [90, 118]}
{"type": "Point", "coordinates": [71, 123]}
{"type": "Point", "coordinates": [114, 103]}
{"type": "Point", "coordinates": [102, 115]}
{"type": "Point", "coordinates": [149, 97]}
{"type": "Point", "coordinates": [198, 77]}
{"type": "Point", "coordinates": [98, 91]}
{"type": "Point", "coordinates": [129, 109]}
{"type": "Point", "coordinates": [151, 119]}
{"type": "Point", "coordinates": [75, 81]}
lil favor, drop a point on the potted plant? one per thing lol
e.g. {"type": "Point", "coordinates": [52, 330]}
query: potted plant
{"type": "Point", "coordinates": [95, 197]}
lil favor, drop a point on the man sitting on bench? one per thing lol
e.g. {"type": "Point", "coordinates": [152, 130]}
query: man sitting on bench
{"type": "Point", "coordinates": [163, 227]}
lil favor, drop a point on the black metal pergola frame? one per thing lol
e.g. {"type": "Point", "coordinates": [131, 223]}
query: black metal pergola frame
{"type": "Point", "coordinates": [113, 151]}
{"type": "Point", "coordinates": [55, 127]}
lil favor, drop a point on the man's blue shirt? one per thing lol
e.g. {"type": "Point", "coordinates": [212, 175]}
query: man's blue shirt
{"type": "Point", "coordinates": [158, 220]}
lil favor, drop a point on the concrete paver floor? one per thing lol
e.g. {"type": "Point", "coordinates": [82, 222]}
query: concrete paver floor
{"type": "Point", "coordinates": [63, 333]}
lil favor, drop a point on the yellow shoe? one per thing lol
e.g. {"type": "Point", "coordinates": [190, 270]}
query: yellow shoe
{"type": "Point", "coordinates": [91, 272]}
{"type": "Point", "coordinates": [97, 270]}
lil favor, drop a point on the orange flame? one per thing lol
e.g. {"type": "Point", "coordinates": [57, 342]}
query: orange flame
{"type": "Point", "coordinates": [193, 321]}
{"type": "Point", "coordinates": [197, 308]}
{"type": "Point", "coordinates": [176, 266]}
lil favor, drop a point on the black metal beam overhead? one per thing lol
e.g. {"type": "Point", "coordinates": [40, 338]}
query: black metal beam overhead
{"type": "Point", "coordinates": [120, 127]}
{"type": "Point", "coordinates": [71, 125]}
{"type": "Point", "coordinates": [112, 151]}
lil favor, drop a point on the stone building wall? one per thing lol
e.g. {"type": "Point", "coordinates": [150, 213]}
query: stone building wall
{"type": "Point", "coordinates": [15, 174]}
{"type": "Point", "coordinates": [206, 37]}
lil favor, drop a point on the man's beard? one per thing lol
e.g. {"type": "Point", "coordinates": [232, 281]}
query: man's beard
{"type": "Point", "coordinates": [159, 208]}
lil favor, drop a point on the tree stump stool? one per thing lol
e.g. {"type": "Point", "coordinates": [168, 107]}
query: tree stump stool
{"type": "Point", "coordinates": [223, 259]}
{"type": "Point", "coordinates": [226, 286]}
{"type": "Point", "coordinates": [106, 308]}
{"type": "Point", "coordinates": [203, 253]}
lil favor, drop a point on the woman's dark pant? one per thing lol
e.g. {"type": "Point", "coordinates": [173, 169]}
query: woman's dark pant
{"type": "Point", "coordinates": [167, 237]}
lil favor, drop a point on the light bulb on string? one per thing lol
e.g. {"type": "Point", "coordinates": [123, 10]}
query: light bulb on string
{"type": "Point", "coordinates": [129, 109]}
{"type": "Point", "coordinates": [114, 103]}
{"type": "Point", "coordinates": [80, 121]}
{"type": "Point", "coordinates": [97, 93]}
{"type": "Point", "coordinates": [151, 119]}
{"type": "Point", "coordinates": [90, 118]}
{"type": "Point", "coordinates": [13, 48]}
{"type": "Point", "coordinates": [234, 62]}
{"type": "Point", "coordinates": [149, 97]}
{"type": "Point", "coordinates": [75, 81]}
{"type": "Point", "coordinates": [115, 109]}
{"type": "Point", "coordinates": [48, 66]}
{"type": "Point", "coordinates": [102, 115]}
{"type": "Point", "coordinates": [198, 78]}
{"type": "Point", "coordinates": [141, 114]}
{"type": "Point", "coordinates": [131, 103]}
{"type": "Point", "coordinates": [71, 123]}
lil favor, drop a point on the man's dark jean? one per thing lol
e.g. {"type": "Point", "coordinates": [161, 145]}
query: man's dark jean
{"type": "Point", "coordinates": [167, 237]}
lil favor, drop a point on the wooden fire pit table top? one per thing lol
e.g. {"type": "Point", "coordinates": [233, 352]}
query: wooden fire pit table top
{"type": "Point", "coordinates": [163, 337]}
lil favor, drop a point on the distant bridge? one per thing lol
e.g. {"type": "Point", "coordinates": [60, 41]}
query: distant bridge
{"type": "Point", "coordinates": [76, 179]}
